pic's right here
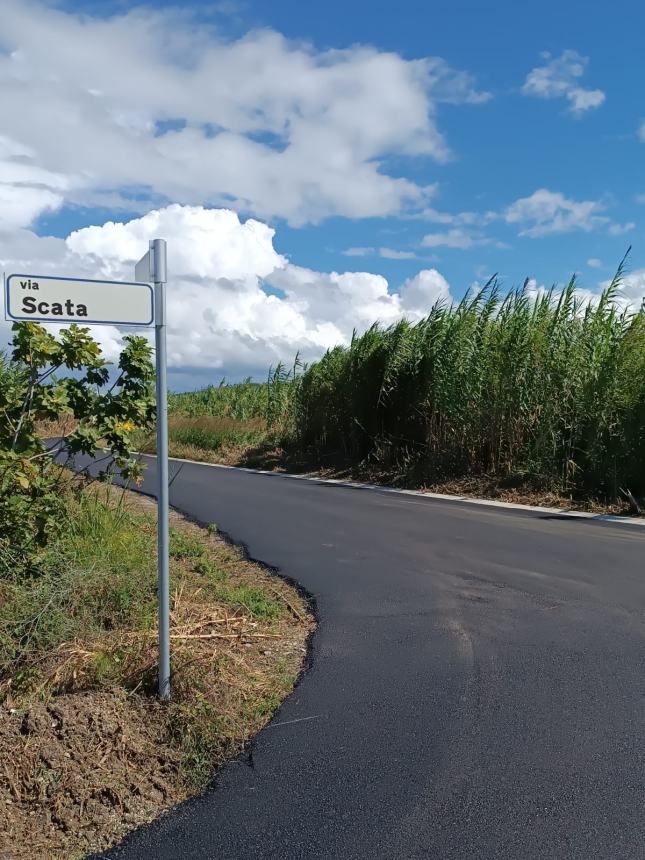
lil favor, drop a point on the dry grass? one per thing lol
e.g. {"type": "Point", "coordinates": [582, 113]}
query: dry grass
{"type": "Point", "coordinates": [87, 751]}
{"type": "Point", "coordinates": [203, 436]}
{"type": "Point", "coordinates": [62, 427]}
{"type": "Point", "coordinates": [487, 487]}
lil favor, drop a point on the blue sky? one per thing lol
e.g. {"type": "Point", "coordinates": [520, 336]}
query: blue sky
{"type": "Point", "coordinates": [527, 161]}
{"type": "Point", "coordinates": [503, 150]}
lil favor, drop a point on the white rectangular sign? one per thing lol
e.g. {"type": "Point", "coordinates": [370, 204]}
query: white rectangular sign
{"type": "Point", "coordinates": [67, 300]}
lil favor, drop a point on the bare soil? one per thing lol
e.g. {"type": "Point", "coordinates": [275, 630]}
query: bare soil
{"type": "Point", "coordinates": [84, 762]}
{"type": "Point", "coordinates": [81, 770]}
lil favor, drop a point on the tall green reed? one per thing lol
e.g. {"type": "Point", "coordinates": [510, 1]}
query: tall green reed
{"type": "Point", "coordinates": [540, 385]}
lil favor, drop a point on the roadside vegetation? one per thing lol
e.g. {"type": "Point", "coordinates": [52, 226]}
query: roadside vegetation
{"type": "Point", "coordinates": [224, 421]}
{"type": "Point", "coordinates": [536, 395]}
{"type": "Point", "coordinates": [87, 751]}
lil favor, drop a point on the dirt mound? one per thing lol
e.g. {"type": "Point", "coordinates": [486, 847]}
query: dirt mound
{"type": "Point", "coordinates": [88, 766]}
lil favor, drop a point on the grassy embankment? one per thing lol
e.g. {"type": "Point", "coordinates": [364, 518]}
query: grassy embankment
{"type": "Point", "coordinates": [224, 423]}
{"type": "Point", "coordinates": [528, 397]}
{"type": "Point", "coordinates": [87, 751]}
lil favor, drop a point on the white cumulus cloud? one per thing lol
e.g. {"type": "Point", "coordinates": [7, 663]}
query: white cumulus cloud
{"type": "Point", "coordinates": [261, 124]}
{"type": "Point", "coordinates": [456, 238]}
{"type": "Point", "coordinates": [545, 212]}
{"type": "Point", "coordinates": [477, 219]}
{"type": "Point", "coordinates": [632, 288]}
{"type": "Point", "coordinates": [559, 77]}
{"type": "Point", "coordinates": [26, 189]}
{"type": "Point", "coordinates": [234, 303]}
{"type": "Point", "coordinates": [620, 229]}
{"type": "Point", "coordinates": [396, 254]}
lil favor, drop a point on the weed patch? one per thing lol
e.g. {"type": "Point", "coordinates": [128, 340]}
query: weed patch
{"type": "Point", "coordinates": [185, 545]}
{"type": "Point", "coordinates": [81, 733]}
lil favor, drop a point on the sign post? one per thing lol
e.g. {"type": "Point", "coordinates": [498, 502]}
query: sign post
{"type": "Point", "coordinates": [152, 267]}
{"type": "Point", "coordinates": [77, 300]}
{"type": "Point", "coordinates": [158, 267]}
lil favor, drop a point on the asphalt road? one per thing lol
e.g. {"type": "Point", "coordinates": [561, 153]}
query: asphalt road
{"type": "Point", "coordinates": [476, 688]}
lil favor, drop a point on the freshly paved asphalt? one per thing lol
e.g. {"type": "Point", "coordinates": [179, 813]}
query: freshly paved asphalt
{"type": "Point", "coordinates": [476, 687]}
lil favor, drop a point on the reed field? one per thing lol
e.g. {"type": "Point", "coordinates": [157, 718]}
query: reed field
{"type": "Point", "coordinates": [243, 401]}
{"type": "Point", "coordinates": [544, 389]}
{"type": "Point", "coordinates": [227, 418]}
{"type": "Point", "coordinates": [201, 436]}
{"type": "Point", "coordinates": [547, 388]}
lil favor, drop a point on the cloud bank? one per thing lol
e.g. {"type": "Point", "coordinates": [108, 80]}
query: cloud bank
{"type": "Point", "coordinates": [233, 301]}
{"type": "Point", "coordinates": [261, 124]}
{"type": "Point", "coordinates": [235, 305]}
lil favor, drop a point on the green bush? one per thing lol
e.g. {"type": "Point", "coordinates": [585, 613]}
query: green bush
{"type": "Point", "coordinates": [96, 575]}
{"type": "Point", "coordinates": [31, 476]}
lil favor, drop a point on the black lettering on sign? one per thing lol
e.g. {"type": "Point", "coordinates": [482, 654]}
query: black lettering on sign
{"type": "Point", "coordinates": [55, 309]}
{"type": "Point", "coordinates": [29, 284]}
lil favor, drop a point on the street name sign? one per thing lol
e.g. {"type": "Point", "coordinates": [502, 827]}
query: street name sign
{"type": "Point", "coordinates": [65, 300]}
{"type": "Point", "coordinates": [69, 300]}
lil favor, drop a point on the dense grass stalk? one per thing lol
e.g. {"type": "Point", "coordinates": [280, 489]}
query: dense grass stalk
{"type": "Point", "coordinates": [242, 402]}
{"type": "Point", "coordinates": [541, 387]}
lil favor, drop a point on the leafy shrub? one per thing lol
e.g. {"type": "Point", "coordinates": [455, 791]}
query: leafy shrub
{"type": "Point", "coordinates": [31, 474]}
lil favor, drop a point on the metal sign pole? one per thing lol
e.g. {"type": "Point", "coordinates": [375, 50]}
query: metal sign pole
{"type": "Point", "coordinates": [158, 272]}
{"type": "Point", "coordinates": [45, 298]}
